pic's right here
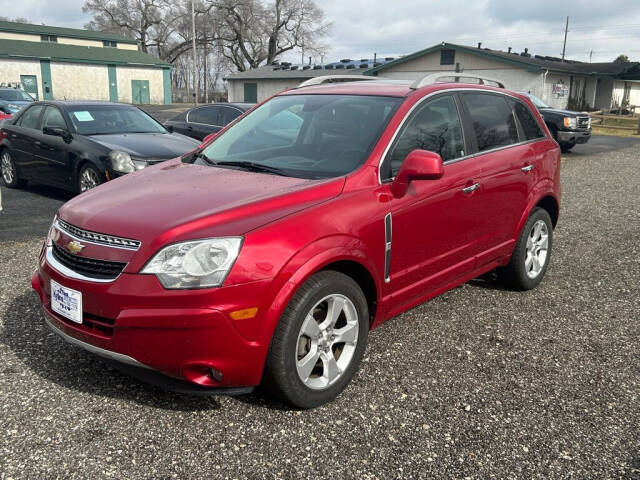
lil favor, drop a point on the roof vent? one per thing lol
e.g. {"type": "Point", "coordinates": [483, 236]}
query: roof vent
{"type": "Point", "coordinates": [509, 50]}
{"type": "Point", "coordinates": [479, 45]}
{"type": "Point", "coordinates": [525, 53]}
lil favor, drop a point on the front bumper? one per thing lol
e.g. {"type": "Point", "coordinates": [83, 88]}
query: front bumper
{"type": "Point", "coordinates": [574, 136]}
{"type": "Point", "coordinates": [183, 334]}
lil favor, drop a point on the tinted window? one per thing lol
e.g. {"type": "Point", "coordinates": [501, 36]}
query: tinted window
{"type": "Point", "coordinates": [53, 118]}
{"type": "Point", "coordinates": [434, 127]}
{"type": "Point", "coordinates": [228, 115]}
{"type": "Point", "coordinates": [307, 136]}
{"type": "Point", "coordinates": [530, 126]}
{"type": "Point", "coordinates": [492, 120]}
{"type": "Point", "coordinates": [31, 118]}
{"type": "Point", "coordinates": [206, 115]}
{"type": "Point", "coordinates": [15, 95]}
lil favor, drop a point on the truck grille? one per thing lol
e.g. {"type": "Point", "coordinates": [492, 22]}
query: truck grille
{"type": "Point", "coordinates": [583, 122]}
{"type": "Point", "coordinates": [89, 267]}
{"type": "Point", "coordinates": [100, 238]}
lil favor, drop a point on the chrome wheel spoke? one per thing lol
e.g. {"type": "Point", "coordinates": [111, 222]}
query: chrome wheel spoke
{"type": "Point", "coordinates": [330, 369]}
{"type": "Point", "coordinates": [536, 249]}
{"type": "Point", "coordinates": [310, 327]}
{"type": "Point", "coordinates": [347, 334]}
{"type": "Point", "coordinates": [335, 306]}
{"type": "Point", "coordinates": [306, 364]}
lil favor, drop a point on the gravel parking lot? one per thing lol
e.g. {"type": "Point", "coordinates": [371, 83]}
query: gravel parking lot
{"type": "Point", "coordinates": [478, 383]}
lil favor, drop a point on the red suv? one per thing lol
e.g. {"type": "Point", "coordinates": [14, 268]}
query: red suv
{"type": "Point", "coordinates": [267, 256]}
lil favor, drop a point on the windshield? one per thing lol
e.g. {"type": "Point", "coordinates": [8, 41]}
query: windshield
{"type": "Point", "coordinates": [536, 101]}
{"type": "Point", "coordinates": [305, 136]}
{"type": "Point", "coordinates": [15, 96]}
{"type": "Point", "coordinates": [110, 119]}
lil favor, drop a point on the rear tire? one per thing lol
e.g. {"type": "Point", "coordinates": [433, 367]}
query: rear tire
{"type": "Point", "coordinates": [88, 178]}
{"type": "Point", "coordinates": [9, 171]}
{"type": "Point", "coordinates": [532, 253]}
{"type": "Point", "coordinates": [314, 354]}
{"type": "Point", "coordinates": [565, 147]}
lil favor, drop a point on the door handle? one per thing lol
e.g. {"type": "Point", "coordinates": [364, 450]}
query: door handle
{"type": "Point", "coordinates": [528, 168]}
{"type": "Point", "coordinates": [471, 188]}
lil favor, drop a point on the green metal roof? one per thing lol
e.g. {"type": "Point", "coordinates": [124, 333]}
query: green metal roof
{"type": "Point", "coordinates": [77, 54]}
{"type": "Point", "coordinates": [62, 32]}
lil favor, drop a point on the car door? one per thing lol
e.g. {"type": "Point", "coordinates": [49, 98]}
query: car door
{"type": "Point", "coordinates": [23, 134]}
{"type": "Point", "coordinates": [506, 178]}
{"type": "Point", "coordinates": [202, 121]}
{"type": "Point", "coordinates": [55, 151]}
{"type": "Point", "coordinates": [432, 225]}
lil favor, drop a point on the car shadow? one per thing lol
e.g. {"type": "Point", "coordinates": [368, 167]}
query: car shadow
{"type": "Point", "coordinates": [49, 357]}
{"type": "Point", "coordinates": [488, 281]}
{"type": "Point", "coordinates": [52, 193]}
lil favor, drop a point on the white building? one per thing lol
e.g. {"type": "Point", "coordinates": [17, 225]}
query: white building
{"type": "Point", "coordinates": [562, 84]}
{"type": "Point", "coordinates": [72, 64]}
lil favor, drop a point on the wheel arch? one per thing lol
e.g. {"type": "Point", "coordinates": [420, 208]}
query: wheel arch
{"type": "Point", "coordinates": [550, 204]}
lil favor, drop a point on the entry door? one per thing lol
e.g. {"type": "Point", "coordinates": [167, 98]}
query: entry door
{"type": "Point", "coordinates": [251, 93]}
{"type": "Point", "coordinates": [140, 92]}
{"type": "Point", "coordinates": [30, 85]}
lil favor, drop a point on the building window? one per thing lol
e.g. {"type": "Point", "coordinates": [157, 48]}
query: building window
{"type": "Point", "coordinates": [447, 57]}
{"type": "Point", "coordinates": [109, 43]}
{"type": "Point", "coordinates": [49, 38]}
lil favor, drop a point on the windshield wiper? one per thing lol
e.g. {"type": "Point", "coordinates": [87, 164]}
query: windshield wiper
{"type": "Point", "coordinates": [252, 166]}
{"type": "Point", "coordinates": [205, 158]}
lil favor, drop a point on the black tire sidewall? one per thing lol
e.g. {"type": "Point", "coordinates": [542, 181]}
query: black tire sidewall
{"type": "Point", "coordinates": [516, 265]}
{"type": "Point", "coordinates": [281, 362]}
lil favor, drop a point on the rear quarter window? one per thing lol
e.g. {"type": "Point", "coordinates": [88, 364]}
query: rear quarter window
{"type": "Point", "coordinates": [530, 126]}
{"type": "Point", "coordinates": [492, 118]}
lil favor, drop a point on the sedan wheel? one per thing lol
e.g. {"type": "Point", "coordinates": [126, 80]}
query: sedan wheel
{"type": "Point", "coordinates": [88, 179]}
{"type": "Point", "coordinates": [537, 246]}
{"type": "Point", "coordinates": [8, 170]}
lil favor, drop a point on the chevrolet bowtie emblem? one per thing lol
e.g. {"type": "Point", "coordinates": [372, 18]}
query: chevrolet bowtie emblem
{"type": "Point", "coordinates": [75, 247]}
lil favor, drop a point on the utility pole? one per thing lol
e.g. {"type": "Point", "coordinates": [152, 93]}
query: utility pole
{"type": "Point", "coordinates": [195, 58]}
{"type": "Point", "coordinates": [564, 45]}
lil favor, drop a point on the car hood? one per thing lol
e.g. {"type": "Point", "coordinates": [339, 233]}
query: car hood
{"type": "Point", "coordinates": [566, 113]}
{"type": "Point", "coordinates": [148, 145]}
{"type": "Point", "coordinates": [176, 201]}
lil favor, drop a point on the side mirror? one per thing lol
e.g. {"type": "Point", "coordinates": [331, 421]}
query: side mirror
{"type": "Point", "coordinates": [419, 165]}
{"type": "Point", "coordinates": [58, 132]}
{"type": "Point", "coordinates": [208, 138]}
{"type": "Point", "coordinates": [169, 128]}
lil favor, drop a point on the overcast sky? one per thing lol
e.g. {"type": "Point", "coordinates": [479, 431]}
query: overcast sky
{"type": "Point", "coordinates": [391, 28]}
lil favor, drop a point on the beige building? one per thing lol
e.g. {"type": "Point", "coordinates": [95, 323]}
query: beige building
{"type": "Point", "coordinates": [72, 64]}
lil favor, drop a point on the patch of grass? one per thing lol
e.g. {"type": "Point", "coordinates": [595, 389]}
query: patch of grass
{"type": "Point", "coordinates": [614, 132]}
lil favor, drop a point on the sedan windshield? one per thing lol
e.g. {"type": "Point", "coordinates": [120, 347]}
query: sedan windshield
{"type": "Point", "coordinates": [536, 101]}
{"type": "Point", "coordinates": [305, 136]}
{"type": "Point", "coordinates": [15, 96]}
{"type": "Point", "coordinates": [112, 119]}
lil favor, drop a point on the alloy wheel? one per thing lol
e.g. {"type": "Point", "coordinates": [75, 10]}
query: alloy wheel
{"type": "Point", "coordinates": [327, 341]}
{"type": "Point", "coordinates": [88, 180]}
{"type": "Point", "coordinates": [537, 249]}
{"type": "Point", "coordinates": [6, 165]}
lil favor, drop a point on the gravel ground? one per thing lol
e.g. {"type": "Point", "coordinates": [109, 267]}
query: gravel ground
{"type": "Point", "coordinates": [477, 383]}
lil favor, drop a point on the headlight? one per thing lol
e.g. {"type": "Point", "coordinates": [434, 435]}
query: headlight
{"type": "Point", "coordinates": [194, 264]}
{"type": "Point", "coordinates": [121, 162]}
{"type": "Point", "coordinates": [52, 235]}
{"type": "Point", "coordinates": [570, 122]}
{"type": "Point", "coordinates": [139, 164]}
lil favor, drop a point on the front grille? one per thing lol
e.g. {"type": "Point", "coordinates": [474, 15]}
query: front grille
{"type": "Point", "coordinates": [100, 326]}
{"type": "Point", "coordinates": [583, 122]}
{"type": "Point", "coordinates": [89, 267]}
{"type": "Point", "coordinates": [101, 238]}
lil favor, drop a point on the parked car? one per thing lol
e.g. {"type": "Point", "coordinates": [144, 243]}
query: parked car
{"type": "Point", "coordinates": [79, 145]}
{"type": "Point", "coordinates": [13, 99]}
{"type": "Point", "coordinates": [567, 127]}
{"type": "Point", "coordinates": [199, 122]}
{"type": "Point", "coordinates": [267, 257]}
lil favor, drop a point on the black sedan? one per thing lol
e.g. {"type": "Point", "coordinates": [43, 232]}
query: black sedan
{"type": "Point", "coordinates": [79, 145]}
{"type": "Point", "coordinates": [206, 119]}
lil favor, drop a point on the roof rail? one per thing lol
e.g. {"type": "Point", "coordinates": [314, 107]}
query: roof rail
{"type": "Point", "coordinates": [334, 79]}
{"type": "Point", "coordinates": [455, 77]}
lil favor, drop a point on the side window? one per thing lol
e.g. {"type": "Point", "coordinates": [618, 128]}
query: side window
{"type": "Point", "coordinates": [53, 118]}
{"type": "Point", "coordinates": [530, 126]}
{"type": "Point", "coordinates": [31, 118]}
{"type": "Point", "coordinates": [492, 120]}
{"type": "Point", "coordinates": [228, 115]}
{"type": "Point", "coordinates": [434, 127]}
{"type": "Point", "coordinates": [206, 115]}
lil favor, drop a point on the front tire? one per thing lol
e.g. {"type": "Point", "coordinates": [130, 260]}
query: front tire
{"type": "Point", "coordinates": [88, 178]}
{"type": "Point", "coordinates": [565, 147]}
{"type": "Point", "coordinates": [532, 253]}
{"type": "Point", "coordinates": [319, 342]}
{"type": "Point", "coordinates": [9, 171]}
